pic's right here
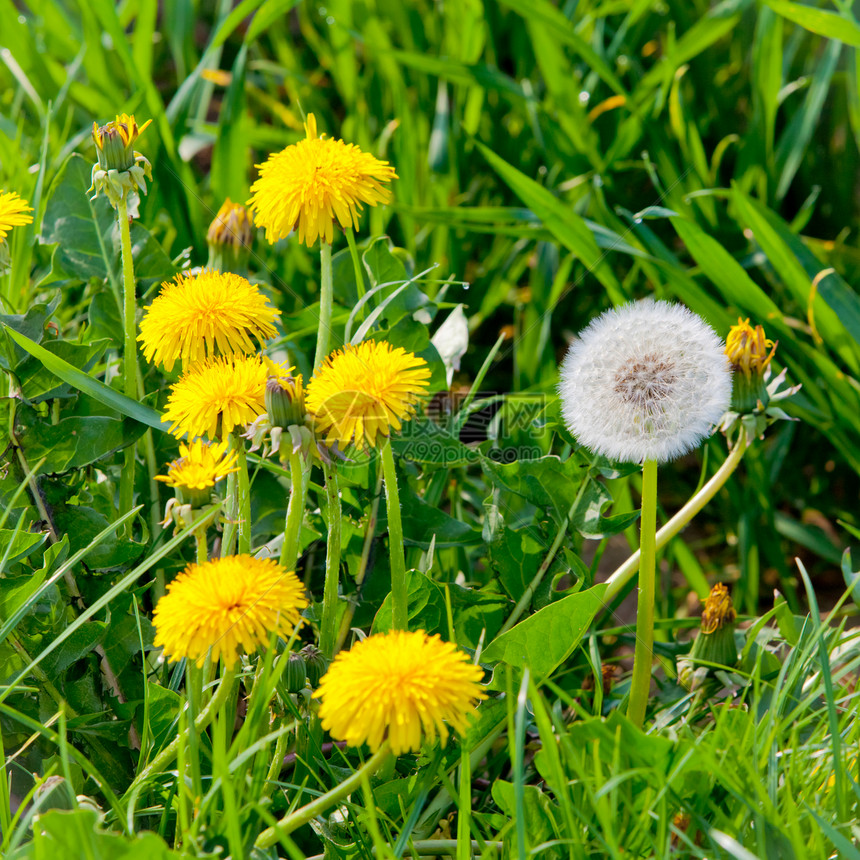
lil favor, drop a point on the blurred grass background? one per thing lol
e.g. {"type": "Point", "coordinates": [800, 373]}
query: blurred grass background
{"type": "Point", "coordinates": [558, 158]}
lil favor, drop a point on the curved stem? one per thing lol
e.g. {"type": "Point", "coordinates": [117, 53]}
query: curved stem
{"type": "Point", "coordinates": [295, 513]}
{"type": "Point", "coordinates": [203, 719]}
{"type": "Point", "coordinates": [640, 684]}
{"type": "Point", "coordinates": [316, 807]}
{"type": "Point", "coordinates": [399, 596]}
{"type": "Point", "coordinates": [129, 355]}
{"type": "Point", "coordinates": [356, 261]}
{"type": "Point", "coordinates": [328, 625]}
{"type": "Point", "coordinates": [326, 300]}
{"type": "Point", "coordinates": [624, 574]}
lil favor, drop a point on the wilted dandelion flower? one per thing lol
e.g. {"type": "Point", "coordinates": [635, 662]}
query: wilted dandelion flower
{"type": "Point", "coordinates": [645, 381]}
{"type": "Point", "coordinates": [200, 465]}
{"type": "Point", "coordinates": [14, 212]}
{"type": "Point", "coordinates": [312, 182]}
{"type": "Point", "coordinates": [364, 391]}
{"type": "Point", "coordinates": [233, 225]}
{"type": "Point", "coordinates": [216, 395]}
{"type": "Point", "coordinates": [231, 605]}
{"type": "Point", "coordinates": [198, 316]}
{"type": "Point", "coordinates": [400, 686]}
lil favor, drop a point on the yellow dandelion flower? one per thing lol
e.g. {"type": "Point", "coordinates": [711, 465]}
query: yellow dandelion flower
{"type": "Point", "coordinates": [13, 212]}
{"type": "Point", "coordinates": [216, 395]}
{"type": "Point", "coordinates": [228, 604]}
{"type": "Point", "coordinates": [365, 391]}
{"type": "Point", "coordinates": [200, 465]}
{"type": "Point", "coordinates": [198, 316]}
{"type": "Point", "coordinates": [314, 181]}
{"type": "Point", "coordinates": [400, 686]}
{"type": "Point", "coordinates": [747, 348]}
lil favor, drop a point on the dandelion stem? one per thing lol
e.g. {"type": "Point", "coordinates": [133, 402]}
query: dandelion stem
{"type": "Point", "coordinates": [316, 807]}
{"type": "Point", "coordinates": [244, 492]}
{"type": "Point", "coordinates": [326, 299]}
{"type": "Point", "coordinates": [640, 684]}
{"type": "Point", "coordinates": [624, 574]}
{"type": "Point", "coordinates": [295, 512]}
{"type": "Point", "coordinates": [399, 596]}
{"type": "Point", "coordinates": [356, 261]}
{"type": "Point", "coordinates": [129, 363]}
{"type": "Point", "coordinates": [328, 625]}
{"type": "Point", "coordinates": [160, 762]}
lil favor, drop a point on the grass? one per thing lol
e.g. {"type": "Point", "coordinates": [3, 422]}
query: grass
{"type": "Point", "coordinates": [552, 160]}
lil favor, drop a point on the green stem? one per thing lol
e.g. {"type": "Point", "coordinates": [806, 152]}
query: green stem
{"type": "Point", "coordinates": [640, 684]}
{"type": "Point", "coordinates": [244, 490]}
{"type": "Point", "coordinates": [129, 362]}
{"type": "Point", "coordinates": [356, 262]}
{"type": "Point", "coordinates": [222, 694]}
{"type": "Point", "coordinates": [202, 550]}
{"type": "Point", "coordinates": [624, 574]}
{"type": "Point", "coordinates": [326, 300]}
{"type": "Point", "coordinates": [295, 514]}
{"type": "Point", "coordinates": [328, 626]}
{"type": "Point", "coordinates": [399, 597]}
{"type": "Point", "coordinates": [316, 807]}
{"type": "Point", "coordinates": [346, 621]}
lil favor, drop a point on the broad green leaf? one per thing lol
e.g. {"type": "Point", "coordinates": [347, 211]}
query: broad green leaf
{"type": "Point", "coordinates": [82, 524]}
{"type": "Point", "coordinates": [425, 441]}
{"type": "Point", "coordinates": [80, 643]}
{"type": "Point", "coordinates": [38, 383]}
{"type": "Point", "coordinates": [426, 602]}
{"type": "Point", "coordinates": [820, 21]}
{"type": "Point", "coordinates": [30, 325]}
{"type": "Point", "coordinates": [16, 545]}
{"type": "Point", "coordinates": [98, 390]}
{"type": "Point", "coordinates": [543, 641]}
{"type": "Point", "coordinates": [424, 523]}
{"type": "Point", "coordinates": [87, 236]}
{"type": "Point", "coordinates": [74, 442]}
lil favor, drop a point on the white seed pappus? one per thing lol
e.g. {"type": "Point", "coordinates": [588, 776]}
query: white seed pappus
{"type": "Point", "coordinates": [645, 381]}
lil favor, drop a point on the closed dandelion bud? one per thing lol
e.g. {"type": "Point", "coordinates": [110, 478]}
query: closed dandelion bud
{"type": "Point", "coordinates": [285, 400]}
{"type": "Point", "coordinates": [750, 353]}
{"type": "Point", "coordinates": [316, 664]}
{"type": "Point", "coordinates": [295, 673]}
{"type": "Point", "coordinates": [716, 640]}
{"type": "Point", "coordinates": [229, 238]}
{"type": "Point", "coordinates": [119, 170]}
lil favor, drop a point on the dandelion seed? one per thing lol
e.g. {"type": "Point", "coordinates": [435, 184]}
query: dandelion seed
{"type": "Point", "coordinates": [645, 381]}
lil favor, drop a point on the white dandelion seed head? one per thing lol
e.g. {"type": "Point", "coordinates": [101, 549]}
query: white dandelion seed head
{"type": "Point", "coordinates": [645, 381]}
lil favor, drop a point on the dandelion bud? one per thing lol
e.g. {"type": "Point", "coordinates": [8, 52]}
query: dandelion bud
{"type": "Point", "coordinates": [295, 674]}
{"type": "Point", "coordinates": [715, 643]}
{"type": "Point", "coordinates": [229, 238]}
{"type": "Point", "coordinates": [285, 400]}
{"type": "Point", "coordinates": [119, 170]}
{"type": "Point", "coordinates": [750, 353]}
{"type": "Point", "coordinates": [315, 662]}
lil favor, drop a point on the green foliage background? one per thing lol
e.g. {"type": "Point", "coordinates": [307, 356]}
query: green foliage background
{"type": "Point", "coordinates": [553, 160]}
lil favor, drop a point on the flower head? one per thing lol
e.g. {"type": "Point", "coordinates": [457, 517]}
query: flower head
{"type": "Point", "coordinates": [216, 395]}
{"type": "Point", "coordinates": [200, 465]}
{"type": "Point", "coordinates": [119, 169]}
{"type": "Point", "coordinates": [13, 212]}
{"type": "Point", "coordinates": [715, 643]}
{"type": "Point", "coordinates": [314, 181]}
{"type": "Point", "coordinates": [228, 604]}
{"type": "Point", "coordinates": [196, 316]}
{"type": "Point", "coordinates": [364, 391]}
{"type": "Point", "coordinates": [645, 381]}
{"type": "Point", "coordinates": [398, 685]}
